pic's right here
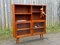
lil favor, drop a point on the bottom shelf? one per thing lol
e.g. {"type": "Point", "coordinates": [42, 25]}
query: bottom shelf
{"type": "Point", "coordinates": [38, 33]}
{"type": "Point", "coordinates": [38, 30]}
{"type": "Point", "coordinates": [25, 33]}
{"type": "Point", "coordinates": [21, 36]}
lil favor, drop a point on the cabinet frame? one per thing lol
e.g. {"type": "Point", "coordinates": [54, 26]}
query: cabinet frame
{"type": "Point", "coordinates": [29, 11]}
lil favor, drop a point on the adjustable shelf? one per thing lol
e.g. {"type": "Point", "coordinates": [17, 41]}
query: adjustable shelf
{"type": "Point", "coordinates": [27, 20]}
{"type": "Point", "coordinates": [24, 29]}
{"type": "Point", "coordinates": [22, 13]}
{"type": "Point", "coordinates": [35, 12]}
{"type": "Point", "coordinates": [38, 20]}
{"type": "Point", "coordinates": [23, 22]}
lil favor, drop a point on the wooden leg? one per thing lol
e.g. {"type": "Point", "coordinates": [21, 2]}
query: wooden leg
{"type": "Point", "coordinates": [41, 36]}
{"type": "Point", "coordinates": [17, 40]}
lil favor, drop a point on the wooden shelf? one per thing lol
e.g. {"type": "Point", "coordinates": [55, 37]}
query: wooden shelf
{"type": "Point", "coordinates": [23, 25]}
{"type": "Point", "coordinates": [23, 22]}
{"type": "Point", "coordinates": [38, 27]}
{"type": "Point", "coordinates": [24, 29]}
{"type": "Point", "coordinates": [35, 11]}
{"type": "Point", "coordinates": [38, 20]}
{"type": "Point", "coordinates": [23, 13]}
{"type": "Point", "coordinates": [22, 5]}
{"type": "Point", "coordinates": [38, 5]}
{"type": "Point", "coordinates": [38, 33]}
{"type": "Point", "coordinates": [38, 30]}
{"type": "Point", "coordinates": [23, 9]}
{"type": "Point", "coordinates": [21, 36]}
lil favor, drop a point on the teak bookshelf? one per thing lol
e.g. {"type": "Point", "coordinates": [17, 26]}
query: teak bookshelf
{"type": "Point", "coordinates": [26, 20]}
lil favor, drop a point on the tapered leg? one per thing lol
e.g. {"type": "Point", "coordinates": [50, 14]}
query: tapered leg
{"type": "Point", "coordinates": [41, 36]}
{"type": "Point", "coordinates": [17, 40]}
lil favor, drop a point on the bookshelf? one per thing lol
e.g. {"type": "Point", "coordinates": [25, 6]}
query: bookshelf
{"type": "Point", "coordinates": [26, 20]}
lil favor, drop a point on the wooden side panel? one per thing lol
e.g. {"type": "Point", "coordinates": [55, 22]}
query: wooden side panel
{"type": "Point", "coordinates": [13, 20]}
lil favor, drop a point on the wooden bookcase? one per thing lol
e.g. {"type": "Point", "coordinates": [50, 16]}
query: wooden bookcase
{"type": "Point", "coordinates": [26, 20]}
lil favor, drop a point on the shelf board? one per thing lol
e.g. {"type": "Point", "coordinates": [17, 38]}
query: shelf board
{"type": "Point", "coordinates": [37, 33]}
{"type": "Point", "coordinates": [22, 4]}
{"type": "Point", "coordinates": [38, 20]}
{"type": "Point", "coordinates": [38, 27]}
{"type": "Point", "coordinates": [23, 22]}
{"type": "Point", "coordinates": [28, 5]}
{"type": "Point", "coordinates": [24, 29]}
{"type": "Point", "coordinates": [24, 35]}
{"type": "Point", "coordinates": [23, 13]}
{"type": "Point", "coordinates": [38, 5]}
{"type": "Point", "coordinates": [35, 11]}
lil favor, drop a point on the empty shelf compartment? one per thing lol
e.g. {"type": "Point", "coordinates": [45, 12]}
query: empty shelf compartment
{"type": "Point", "coordinates": [25, 25]}
{"type": "Point", "coordinates": [23, 32]}
{"type": "Point", "coordinates": [39, 30]}
{"type": "Point", "coordinates": [22, 9]}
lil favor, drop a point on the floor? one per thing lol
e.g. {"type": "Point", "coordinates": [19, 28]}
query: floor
{"type": "Point", "coordinates": [49, 39]}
